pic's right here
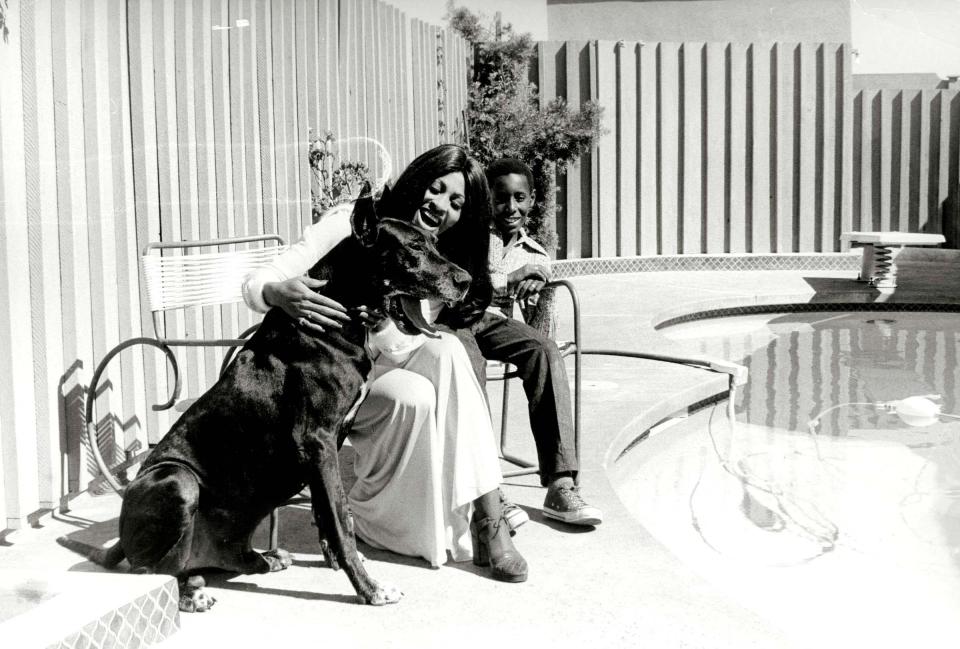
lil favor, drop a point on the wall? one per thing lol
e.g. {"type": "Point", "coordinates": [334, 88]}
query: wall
{"type": "Point", "coordinates": [699, 20]}
{"type": "Point", "coordinates": [124, 122]}
{"type": "Point", "coordinates": [746, 147]}
{"type": "Point", "coordinates": [904, 36]}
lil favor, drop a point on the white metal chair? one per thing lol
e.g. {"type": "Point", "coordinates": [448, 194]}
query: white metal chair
{"type": "Point", "coordinates": [497, 371]}
{"type": "Point", "coordinates": [180, 281]}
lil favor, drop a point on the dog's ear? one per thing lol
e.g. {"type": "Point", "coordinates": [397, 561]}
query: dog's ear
{"type": "Point", "coordinates": [364, 219]}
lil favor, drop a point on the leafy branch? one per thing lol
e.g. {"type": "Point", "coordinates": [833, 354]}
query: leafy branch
{"type": "Point", "coordinates": [507, 118]}
{"type": "Point", "coordinates": [4, 30]}
{"type": "Point", "coordinates": [333, 180]}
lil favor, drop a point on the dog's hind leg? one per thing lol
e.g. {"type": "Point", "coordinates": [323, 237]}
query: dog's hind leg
{"type": "Point", "coordinates": [157, 519]}
{"type": "Point", "coordinates": [335, 527]}
{"type": "Point", "coordinates": [157, 529]}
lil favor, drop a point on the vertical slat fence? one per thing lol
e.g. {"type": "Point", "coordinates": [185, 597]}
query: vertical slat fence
{"type": "Point", "coordinates": [746, 147]}
{"type": "Point", "coordinates": [129, 121]}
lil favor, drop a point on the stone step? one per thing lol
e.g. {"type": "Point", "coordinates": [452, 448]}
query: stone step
{"type": "Point", "coordinates": [86, 609]}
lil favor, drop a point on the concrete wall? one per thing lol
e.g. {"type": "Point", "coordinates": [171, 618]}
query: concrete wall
{"type": "Point", "coordinates": [700, 20]}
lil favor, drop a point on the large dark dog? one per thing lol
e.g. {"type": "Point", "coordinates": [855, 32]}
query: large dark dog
{"type": "Point", "coordinates": [270, 426]}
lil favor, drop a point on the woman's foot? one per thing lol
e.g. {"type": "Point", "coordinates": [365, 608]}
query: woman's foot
{"type": "Point", "coordinates": [493, 547]}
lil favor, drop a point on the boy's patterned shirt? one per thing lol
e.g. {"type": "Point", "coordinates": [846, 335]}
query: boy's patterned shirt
{"type": "Point", "coordinates": [506, 259]}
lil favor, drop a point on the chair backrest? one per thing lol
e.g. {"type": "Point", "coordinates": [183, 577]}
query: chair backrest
{"type": "Point", "coordinates": [177, 281]}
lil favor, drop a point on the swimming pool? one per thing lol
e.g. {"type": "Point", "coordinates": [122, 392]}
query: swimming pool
{"type": "Point", "coordinates": [846, 533]}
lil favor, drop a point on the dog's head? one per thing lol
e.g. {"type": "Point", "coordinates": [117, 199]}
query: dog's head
{"type": "Point", "coordinates": [407, 267]}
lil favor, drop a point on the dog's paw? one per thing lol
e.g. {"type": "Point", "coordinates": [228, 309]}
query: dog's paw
{"type": "Point", "coordinates": [194, 597]}
{"type": "Point", "coordinates": [382, 594]}
{"type": "Point", "coordinates": [197, 601]}
{"type": "Point", "coordinates": [278, 559]}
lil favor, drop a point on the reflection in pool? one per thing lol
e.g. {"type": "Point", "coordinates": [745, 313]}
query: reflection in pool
{"type": "Point", "coordinates": [844, 532]}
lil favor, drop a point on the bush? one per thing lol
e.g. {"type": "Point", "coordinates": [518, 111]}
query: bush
{"type": "Point", "coordinates": [505, 117]}
{"type": "Point", "coordinates": [333, 180]}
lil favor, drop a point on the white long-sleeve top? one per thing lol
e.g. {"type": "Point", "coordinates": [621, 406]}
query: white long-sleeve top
{"type": "Point", "coordinates": [317, 241]}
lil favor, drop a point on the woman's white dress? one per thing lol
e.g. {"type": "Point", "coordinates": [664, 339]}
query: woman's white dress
{"type": "Point", "coordinates": [424, 443]}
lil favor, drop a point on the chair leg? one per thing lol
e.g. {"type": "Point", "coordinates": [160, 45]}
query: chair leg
{"type": "Point", "coordinates": [526, 467]}
{"type": "Point", "coordinates": [275, 529]}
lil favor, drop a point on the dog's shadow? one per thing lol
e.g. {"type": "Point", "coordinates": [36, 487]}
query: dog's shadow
{"type": "Point", "coordinates": [225, 581]}
{"type": "Point", "coordinates": [299, 536]}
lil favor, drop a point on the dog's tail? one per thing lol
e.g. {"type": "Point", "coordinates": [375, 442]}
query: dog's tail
{"type": "Point", "coordinates": [106, 557]}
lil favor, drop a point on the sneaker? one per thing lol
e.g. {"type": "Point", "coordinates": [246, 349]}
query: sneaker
{"type": "Point", "coordinates": [564, 503]}
{"type": "Point", "coordinates": [512, 513]}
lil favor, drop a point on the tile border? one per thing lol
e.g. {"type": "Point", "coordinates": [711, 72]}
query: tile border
{"type": "Point", "coordinates": [806, 307]}
{"type": "Point", "coordinates": [566, 268]}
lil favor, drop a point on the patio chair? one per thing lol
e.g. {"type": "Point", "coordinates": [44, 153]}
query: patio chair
{"type": "Point", "coordinates": [498, 371]}
{"type": "Point", "coordinates": [176, 282]}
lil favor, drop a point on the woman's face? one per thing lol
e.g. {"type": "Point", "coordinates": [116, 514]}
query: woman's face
{"type": "Point", "coordinates": [442, 202]}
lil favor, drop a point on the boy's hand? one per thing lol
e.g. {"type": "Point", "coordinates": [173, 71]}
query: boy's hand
{"type": "Point", "coordinates": [529, 287]}
{"type": "Point", "coordinates": [299, 299]}
{"type": "Point", "coordinates": [528, 280]}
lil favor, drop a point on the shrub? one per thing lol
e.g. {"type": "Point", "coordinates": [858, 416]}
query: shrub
{"type": "Point", "coordinates": [333, 180]}
{"type": "Point", "coordinates": [505, 117]}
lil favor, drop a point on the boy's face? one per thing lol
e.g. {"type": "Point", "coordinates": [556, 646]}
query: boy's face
{"type": "Point", "coordinates": [512, 200]}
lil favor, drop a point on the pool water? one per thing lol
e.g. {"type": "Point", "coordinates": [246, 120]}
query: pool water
{"type": "Point", "coordinates": [846, 533]}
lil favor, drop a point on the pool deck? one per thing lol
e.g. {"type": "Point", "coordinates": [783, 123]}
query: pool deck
{"type": "Point", "coordinates": [612, 586]}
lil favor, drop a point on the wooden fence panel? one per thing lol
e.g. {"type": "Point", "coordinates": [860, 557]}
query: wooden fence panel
{"type": "Point", "coordinates": [739, 154]}
{"type": "Point", "coordinates": [905, 169]}
{"type": "Point", "coordinates": [807, 163]}
{"type": "Point", "coordinates": [736, 147]}
{"type": "Point", "coordinates": [647, 147]}
{"type": "Point", "coordinates": [578, 211]}
{"type": "Point", "coordinates": [763, 167]}
{"type": "Point", "coordinates": [670, 141]}
{"type": "Point", "coordinates": [692, 142]}
{"type": "Point", "coordinates": [716, 133]}
{"type": "Point", "coordinates": [626, 157]}
{"type": "Point", "coordinates": [605, 167]}
{"type": "Point", "coordinates": [124, 122]}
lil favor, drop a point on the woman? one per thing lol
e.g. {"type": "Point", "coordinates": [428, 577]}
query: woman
{"type": "Point", "coordinates": [424, 443]}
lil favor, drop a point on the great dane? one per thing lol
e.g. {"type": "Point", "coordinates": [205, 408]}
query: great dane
{"type": "Point", "coordinates": [271, 425]}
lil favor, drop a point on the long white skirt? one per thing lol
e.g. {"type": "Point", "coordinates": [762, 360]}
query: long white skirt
{"type": "Point", "coordinates": [425, 451]}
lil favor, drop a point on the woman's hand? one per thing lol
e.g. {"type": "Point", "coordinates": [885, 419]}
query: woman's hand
{"type": "Point", "coordinates": [299, 299]}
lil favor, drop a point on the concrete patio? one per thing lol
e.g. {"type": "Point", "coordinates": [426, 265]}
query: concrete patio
{"type": "Point", "coordinates": [611, 586]}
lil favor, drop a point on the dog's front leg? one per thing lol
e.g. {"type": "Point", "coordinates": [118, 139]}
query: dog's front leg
{"type": "Point", "coordinates": [330, 511]}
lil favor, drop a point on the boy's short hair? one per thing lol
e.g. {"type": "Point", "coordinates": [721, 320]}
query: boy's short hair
{"type": "Point", "coordinates": [506, 166]}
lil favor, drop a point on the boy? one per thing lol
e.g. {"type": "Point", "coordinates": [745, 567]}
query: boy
{"type": "Point", "coordinates": [519, 268]}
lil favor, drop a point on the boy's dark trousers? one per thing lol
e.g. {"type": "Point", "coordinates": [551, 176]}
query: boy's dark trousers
{"type": "Point", "coordinates": [541, 368]}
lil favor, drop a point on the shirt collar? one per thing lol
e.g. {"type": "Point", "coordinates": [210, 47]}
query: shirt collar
{"type": "Point", "coordinates": [523, 239]}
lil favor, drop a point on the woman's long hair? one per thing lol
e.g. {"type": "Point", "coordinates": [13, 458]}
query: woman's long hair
{"type": "Point", "coordinates": [466, 243]}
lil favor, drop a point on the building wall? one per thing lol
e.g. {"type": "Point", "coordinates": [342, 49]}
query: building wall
{"type": "Point", "coordinates": [700, 20]}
